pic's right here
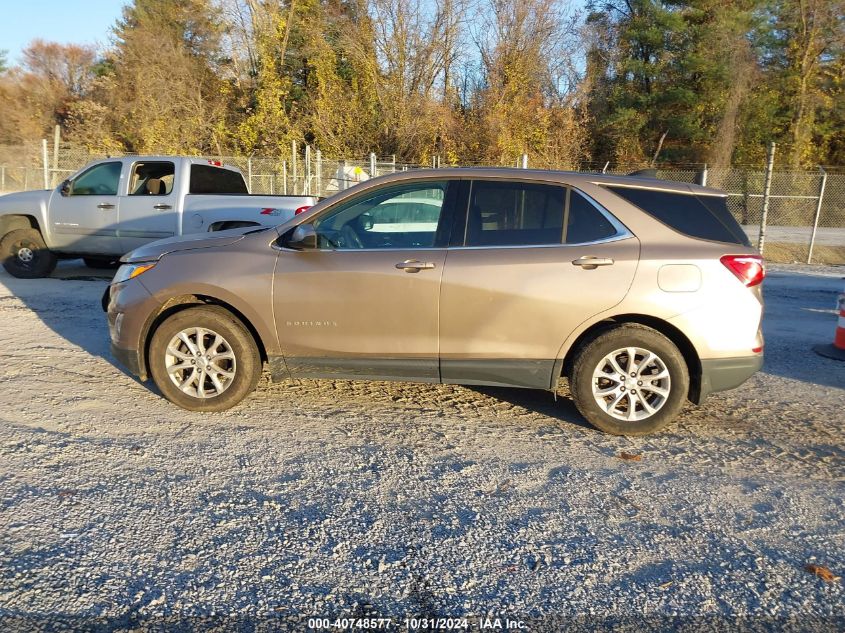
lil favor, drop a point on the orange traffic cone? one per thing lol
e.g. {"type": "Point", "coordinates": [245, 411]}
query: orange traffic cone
{"type": "Point", "coordinates": [836, 351]}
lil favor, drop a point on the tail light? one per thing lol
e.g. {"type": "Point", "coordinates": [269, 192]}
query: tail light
{"type": "Point", "coordinates": [302, 209]}
{"type": "Point", "coordinates": [747, 268]}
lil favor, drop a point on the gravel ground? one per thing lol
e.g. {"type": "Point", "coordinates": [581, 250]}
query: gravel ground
{"type": "Point", "coordinates": [332, 498]}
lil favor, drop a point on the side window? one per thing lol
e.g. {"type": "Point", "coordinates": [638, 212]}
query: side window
{"type": "Point", "coordinates": [514, 214]}
{"type": "Point", "coordinates": [703, 217]}
{"type": "Point", "coordinates": [209, 179]}
{"type": "Point", "coordinates": [99, 180]}
{"type": "Point", "coordinates": [152, 179]}
{"type": "Point", "coordinates": [404, 216]}
{"type": "Point", "coordinates": [585, 223]}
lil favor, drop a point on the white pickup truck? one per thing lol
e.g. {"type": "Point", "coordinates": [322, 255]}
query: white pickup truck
{"type": "Point", "coordinates": [115, 205]}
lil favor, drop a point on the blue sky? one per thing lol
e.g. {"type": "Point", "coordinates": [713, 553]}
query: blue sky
{"type": "Point", "coordinates": [65, 21]}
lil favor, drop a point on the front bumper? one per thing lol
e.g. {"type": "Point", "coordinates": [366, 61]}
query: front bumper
{"type": "Point", "coordinates": [721, 374]}
{"type": "Point", "coordinates": [129, 358]}
{"type": "Point", "coordinates": [129, 308]}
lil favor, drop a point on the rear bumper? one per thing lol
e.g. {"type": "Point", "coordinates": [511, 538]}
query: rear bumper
{"type": "Point", "coordinates": [721, 374]}
{"type": "Point", "coordinates": [128, 358]}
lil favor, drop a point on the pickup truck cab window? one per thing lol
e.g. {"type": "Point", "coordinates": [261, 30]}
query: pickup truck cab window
{"type": "Point", "coordinates": [210, 179]}
{"type": "Point", "coordinates": [152, 178]}
{"type": "Point", "coordinates": [405, 216]}
{"type": "Point", "coordinates": [100, 180]}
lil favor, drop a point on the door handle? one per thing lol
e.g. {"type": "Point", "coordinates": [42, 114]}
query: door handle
{"type": "Point", "coordinates": [414, 266]}
{"type": "Point", "coordinates": [162, 207]}
{"type": "Point", "coordinates": [105, 205]}
{"type": "Point", "coordinates": [591, 263]}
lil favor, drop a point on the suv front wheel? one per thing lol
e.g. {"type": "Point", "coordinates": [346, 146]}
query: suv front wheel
{"type": "Point", "coordinates": [629, 380]}
{"type": "Point", "coordinates": [204, 359]}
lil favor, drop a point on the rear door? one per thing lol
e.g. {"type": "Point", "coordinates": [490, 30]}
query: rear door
{"type": "Point", "coordinates": [365, 303]}
{"type": "Point", "coordinates": [148, 210]}
{"type": "Point", "coordinates": [85, 218]}
{"type": "Point", "coordinates": [535, 261]}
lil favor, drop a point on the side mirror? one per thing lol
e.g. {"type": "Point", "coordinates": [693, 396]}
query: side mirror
{"type": "Point", "coordinates": [304, 237]}
{"type": "Point", "coordinates": [64, 188]}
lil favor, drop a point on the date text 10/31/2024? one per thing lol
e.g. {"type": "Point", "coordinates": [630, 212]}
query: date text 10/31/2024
{"type": "Point", "coordinates": [480, 623]}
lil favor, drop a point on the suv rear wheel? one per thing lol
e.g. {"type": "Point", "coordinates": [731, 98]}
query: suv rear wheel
{"type": "Point", "coordinates": [629, 380]}
{"type": "Point", "coordinates": [25, 255]}
{"type": "Point", "coordinates": [204, 359]}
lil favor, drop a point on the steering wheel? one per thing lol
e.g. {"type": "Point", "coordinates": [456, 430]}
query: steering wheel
{"type": "Point", "coordinates": [350, 237]}
{"type": "Point", "coordinates": [103, 189]}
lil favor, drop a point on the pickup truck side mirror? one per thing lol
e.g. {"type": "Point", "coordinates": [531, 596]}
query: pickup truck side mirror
{"type": "Point", "coordinates": [303, 237]}
{"type": "Point", "coordinates": [64, 188]}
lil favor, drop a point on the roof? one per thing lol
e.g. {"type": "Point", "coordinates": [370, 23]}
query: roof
{"type": "Point", "coordinates": [570, 177]}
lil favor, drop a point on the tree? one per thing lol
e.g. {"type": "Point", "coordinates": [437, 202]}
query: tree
{"type": "Point", "coordinates": [528, 97]}
{"type": "Point", "coordinates": [40, 93]}
{"type": "Point", "coordinates": [167, 91]}
{"type": "Point", "coordinates": [809, 36]}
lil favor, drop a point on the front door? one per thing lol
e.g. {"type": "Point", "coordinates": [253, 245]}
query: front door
{"type": "Point", "coordinates": [148, 211]}
{"type": "Point", "coordinates": [365, 302]}
{"type": "Point", "coordinates": [522, 280]}
{"type": "Point", "coordinates": [85, 219]}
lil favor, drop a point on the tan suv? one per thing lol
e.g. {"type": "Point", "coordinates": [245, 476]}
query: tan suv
{"type": "Point", "coordinates": [643, 293]}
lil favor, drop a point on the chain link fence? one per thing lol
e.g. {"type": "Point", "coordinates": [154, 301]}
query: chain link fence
{"type": "Point", "coordinates": [804, 211]}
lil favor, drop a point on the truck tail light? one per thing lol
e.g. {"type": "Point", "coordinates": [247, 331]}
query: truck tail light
{"type": "Point", "coordinates": [302, 209]}
{"type": "Point", "coordinates": [747, 268]}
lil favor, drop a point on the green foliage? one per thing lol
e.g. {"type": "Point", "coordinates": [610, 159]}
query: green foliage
{"type": "Point", "coordinates": [671, 81]}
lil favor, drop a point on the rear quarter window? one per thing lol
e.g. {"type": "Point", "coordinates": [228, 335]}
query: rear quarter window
{"type": "Point", "coordinates": [209, 179]}
{"type": "Point", "coordinates": [700, 216]}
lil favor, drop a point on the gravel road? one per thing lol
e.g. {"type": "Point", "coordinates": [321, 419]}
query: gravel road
{"type": "Point", "coordinates": [332, 498]}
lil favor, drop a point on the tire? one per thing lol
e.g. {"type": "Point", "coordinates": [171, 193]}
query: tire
{"type": "Point", "coordinates": [666, 372]}
{"type": "Point", "coordinates": [25, 255]}
{"type": "Point", "coordinates": [102, 263]}
{"type": "Point", "coordinates": [244, 364]}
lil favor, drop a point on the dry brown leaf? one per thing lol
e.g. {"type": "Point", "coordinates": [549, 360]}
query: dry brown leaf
{"type": "Point", "coordinates": [821, 571]}
{"type": "Point", "coordinates": [631, 457]}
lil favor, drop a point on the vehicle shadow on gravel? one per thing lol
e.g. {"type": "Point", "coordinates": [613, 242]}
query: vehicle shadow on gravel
{"type": "Point", "coordinates": [69, 303]}
{"type": "Point", "coordinates": [538, 401]}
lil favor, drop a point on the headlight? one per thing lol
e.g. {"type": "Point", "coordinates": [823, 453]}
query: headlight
{"type": "Point", "coordinates": [128, 271]}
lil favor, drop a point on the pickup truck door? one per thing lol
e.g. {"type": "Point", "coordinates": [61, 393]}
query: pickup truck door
{"type": "Point", "coordinates": [84, 214]}
{"type": "Point", "coordinates": [149, 208]}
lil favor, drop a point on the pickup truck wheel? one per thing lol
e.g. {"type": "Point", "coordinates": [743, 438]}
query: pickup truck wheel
{"type": "Point", "coordinates": [25, 255]}
{"type": "Point", "coordinates": [629, 380]}
{"type": "Point", "coordinates": [103, 263]}
{"type": "Point", "coordinates": [204, 359]}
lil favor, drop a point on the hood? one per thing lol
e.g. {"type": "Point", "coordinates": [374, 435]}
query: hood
{"type": "Point", "coordinates": [156, 250]}
{"type": "Point", "coordinates": [14, 201]}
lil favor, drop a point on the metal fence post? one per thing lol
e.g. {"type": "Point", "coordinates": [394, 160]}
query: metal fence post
{"type": "Point", "coordinates": [2, 178]}
{"type": "Point", "coordinates": [319, 191]}
{"type": "Point", "coordinates": [293, 165]}
{"type": "Point", "coordinates": [393, 163]}
{"type": "Point", "coordinates": [249, 172]}
{"type": "Point", "coordinates": [767, 189]}
{"type": "Point", "coordinates": [341, 175]}
{"type": "Point", "coordinates": [285, 177]}
{"type": "Point", "coordinates": [523, 162]}
{"type": "Point", "coordinates": [307, 188]}
{"type": "Point", "coordinates": [373, 165]}
{"type": "Point", "coordinates": [46, 164]}
{"type": "Point", "coordinates": [818, 213]}
{"type": "Point", "coordinates": [57, 135]}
